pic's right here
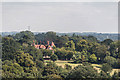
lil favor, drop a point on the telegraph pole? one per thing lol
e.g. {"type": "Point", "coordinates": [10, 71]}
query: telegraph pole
{"type": "Point", "coordinates": [28, 28]}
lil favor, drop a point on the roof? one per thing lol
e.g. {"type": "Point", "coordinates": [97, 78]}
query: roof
{"type": "Point", "coordinates": [37, 46]}
{"type": "Point", "coordinates": [42, 46]}
{"type": "Point", "coordinates": [49, 47]}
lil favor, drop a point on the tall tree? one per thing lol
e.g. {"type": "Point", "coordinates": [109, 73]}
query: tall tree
{"type": "Point", "coordinates": [70, 45]}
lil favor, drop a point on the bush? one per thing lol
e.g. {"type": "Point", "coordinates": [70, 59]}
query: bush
{"type": "Point", "coordinates": [106, 67]}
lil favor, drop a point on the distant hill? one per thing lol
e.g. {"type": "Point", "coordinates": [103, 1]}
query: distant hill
{"type": "Point", "coordinates": [99, 36]}
{"type": "Point", "coordinates": [7, 33]}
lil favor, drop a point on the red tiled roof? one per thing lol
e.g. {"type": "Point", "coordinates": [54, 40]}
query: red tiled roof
{"type": "Point", "coordinates": [37, 46]}
{"type": "Point", "coordinates": [42, 46]}
{"type": "Point", "coordinates": [50, 48]}
{"type": "Point", "coordinates": [52, 44]}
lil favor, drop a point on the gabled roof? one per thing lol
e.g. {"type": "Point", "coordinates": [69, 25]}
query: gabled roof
{"type": "Point", "coordinates": [52, 44]}
{"type": "Point", "coordinates": [49, 47]}
{"type": "Point", "coordinates": [42, 46]}
{"type": "Point", "coordinates": [37, 46]}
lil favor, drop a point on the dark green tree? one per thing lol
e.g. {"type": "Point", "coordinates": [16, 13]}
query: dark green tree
{"type": "Point", "coordinates": [106, 67]}
{"type": "Point", "coordinates": [53, 57]}
{"type": "Point", "coordinates": [70, 45]}
{"type": "Point", "coordinates": [82, 45]}
{"type": "Point", "coordinates": [9, 48]}
{"type": "Point", "coordinates": [93, 58]}
{"type": "Point", "coordinates": [107, 42]}
{"type": "Point", "coordinates": [83, 71]}
{"type": "Point", "coordinates": [68, 67]}
{"type": "Point", "coordinates": [110, 60]}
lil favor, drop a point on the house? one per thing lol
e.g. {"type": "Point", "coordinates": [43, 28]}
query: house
{"type": "Point", "coordinates": [41, 46]}
{"type": "Point", "coordinates": [47, 47]}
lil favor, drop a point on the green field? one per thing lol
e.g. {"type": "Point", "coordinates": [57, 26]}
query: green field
{"type": "Point", "coordinates": [62, 63]}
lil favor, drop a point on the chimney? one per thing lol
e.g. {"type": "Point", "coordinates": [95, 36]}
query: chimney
{"type": "Point", "coordinates": [47, 42]}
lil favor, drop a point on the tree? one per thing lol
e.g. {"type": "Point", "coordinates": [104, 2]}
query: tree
{"type": "Point", "coordinates": [61, 53]}
{"type": "Point", "coordinates": [11, 70]}
{"type": "Point", "coordinates": [110, 60]}
{"type": "Point", "coordinates": [100, 51]}
{"type": "Point", "coordinates": [83, 71]}
{"type": "Point", "coordinates": [106, 67]}
{"type": "Point", "coordinates": [0, 46]}
{"type": "Point", "coordinates": [61, 41]}
{"type": "Point", "coordinates": [82, 45]}
{"type": "Point", "coordinates": [40, 64]}
{"type": "Point", "coordinates": [69, 55]}
{"type": "Point", "coordinates": [9, 48]}
{"type": "Point", "coordinates": [118, 63]}
{"type": "Point", "coordinates": [70, 45]}
{"type": "Point", "coordinates": [93, 58]}
{"type": "Point", "coordinates": [68, 67]}
{"type": "Point", "coordinates": [92, 38]}
{"type": "Point", "coordinates": [37, 54]}
{"type": "Point", "coordinates": [47, 52]}
{"type": "Point", "coordinates": [103, 74]}
{"type": "Point", "coordinates": [24, 59]}
{"type": "Point", "coordinates": [107, 42]}
{"type": "Point", "coordinates": [77, 57]}
{"type": "Point", "coordinates": [113, 47]}
{"type": "Point", "coordinates": [54, 57]}
{"type": "Point", "coordinates": [25, 37]}
{"type": "Point", "coordinates": [49, 70]}
{"type": "Point", "coordinates": [80, 56]}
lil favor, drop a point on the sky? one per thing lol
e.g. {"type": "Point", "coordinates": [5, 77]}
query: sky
{"type": "Point", "coordinates": [59, 0]}
{"type": "Point", "coordinates": [60, 16]}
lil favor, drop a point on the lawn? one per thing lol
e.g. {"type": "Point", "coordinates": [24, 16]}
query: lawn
{"type": "Point", "coordinates": [62, 63]}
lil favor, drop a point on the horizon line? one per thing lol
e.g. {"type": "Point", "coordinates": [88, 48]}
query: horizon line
{"type": "Point", "coordinates": [62, 32]}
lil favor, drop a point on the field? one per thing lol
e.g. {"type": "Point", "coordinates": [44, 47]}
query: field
{"type": "Point", "coordinates": [96, 66]}
{"type": "Point", "coordinates": [62, 63]}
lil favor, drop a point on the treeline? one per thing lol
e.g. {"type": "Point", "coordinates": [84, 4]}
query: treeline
{"type": "Point", "coordinates": [99, 36]}
{"type": "Point", "coordinates": [21, 60]}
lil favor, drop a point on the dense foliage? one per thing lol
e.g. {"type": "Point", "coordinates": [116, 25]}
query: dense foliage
{"type": "Point", "coordinates": [22, 60]}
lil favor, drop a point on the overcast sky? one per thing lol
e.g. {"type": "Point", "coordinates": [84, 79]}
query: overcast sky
{"type": "Point", "coordinates": [60, 16]}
